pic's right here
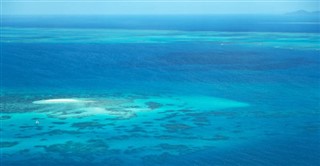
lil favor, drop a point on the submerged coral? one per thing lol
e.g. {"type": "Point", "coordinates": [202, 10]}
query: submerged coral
{"type": "Point", "coordinates": [71, 147]}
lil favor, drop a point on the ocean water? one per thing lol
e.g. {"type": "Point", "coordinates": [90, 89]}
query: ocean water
{"type": "Point", "coordinates": [80, 92]}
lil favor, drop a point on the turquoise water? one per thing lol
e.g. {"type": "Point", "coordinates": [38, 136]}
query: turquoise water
{"type": "Point", "coordinates": [159, 97]}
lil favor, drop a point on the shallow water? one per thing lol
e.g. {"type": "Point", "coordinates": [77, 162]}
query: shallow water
{"type": "Point", "coordinates": [159, 97]}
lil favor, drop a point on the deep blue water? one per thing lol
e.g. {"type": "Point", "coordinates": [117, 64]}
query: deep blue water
{"type": "Point", "coordinates": [231, 22]}
{"type": "Point", "coordinates": [142, 90]}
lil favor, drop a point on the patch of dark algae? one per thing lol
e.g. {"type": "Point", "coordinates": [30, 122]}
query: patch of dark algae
{"type": "Point", "coordinates": [6, 144]}
{"type": "Point", "coordinates": [87, 125]}
{"type": "Point", "coordinates": [153, 105]}
{"type": "Point", "coordinates": [176, 126]}
{"type": "Point", "coordinates": [5, 117]}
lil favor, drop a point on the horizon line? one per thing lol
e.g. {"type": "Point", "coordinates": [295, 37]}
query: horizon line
{"type": "Point", "coordinates": [151, 14]}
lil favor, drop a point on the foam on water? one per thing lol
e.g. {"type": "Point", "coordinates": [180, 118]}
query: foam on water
{"type": "Point", "coordinates": [61, 101]}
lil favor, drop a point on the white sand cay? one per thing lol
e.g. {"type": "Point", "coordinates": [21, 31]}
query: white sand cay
{"type": "Point", "coordinates": [62, 101]}
{"type": "Point", "coordinates": [127, 108]}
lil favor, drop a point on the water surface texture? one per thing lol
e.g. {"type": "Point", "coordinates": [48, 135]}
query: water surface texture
{"type": "Point", "coordinates": [96, 95]}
